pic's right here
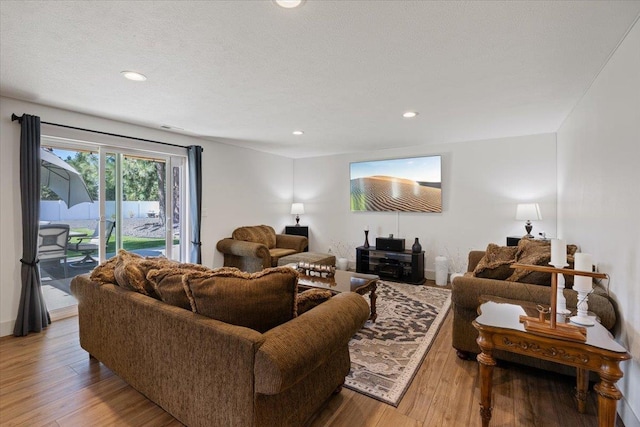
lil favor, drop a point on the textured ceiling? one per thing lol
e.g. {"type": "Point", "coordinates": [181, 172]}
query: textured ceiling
{"type": "Point", "coordinates": [249, 72]}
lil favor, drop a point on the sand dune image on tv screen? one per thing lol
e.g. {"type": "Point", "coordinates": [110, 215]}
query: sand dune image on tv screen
{"type": "Point", "coordinates": [387, 193]}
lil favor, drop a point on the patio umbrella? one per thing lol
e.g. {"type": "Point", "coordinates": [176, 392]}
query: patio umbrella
{"type": "Point", "coordinates": [63, 179]}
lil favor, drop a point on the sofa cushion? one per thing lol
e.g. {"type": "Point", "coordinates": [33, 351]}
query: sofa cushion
{"type": "Point", "coordinates": [538, 252]}
{"type": "Point", "coordinates": [259, 301]}
{"type": "Point", "coordinates": [131, 271]}
{"type": "Point", "coordinates": [256, 234]}
{"type": "Point", "coordinates": [496, 262]}
{"type": "Point", "coordinates": [167, 282]}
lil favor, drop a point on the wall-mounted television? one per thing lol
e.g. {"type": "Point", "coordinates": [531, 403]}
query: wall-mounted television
{"type": "Point", "coordinates": [412, 184]}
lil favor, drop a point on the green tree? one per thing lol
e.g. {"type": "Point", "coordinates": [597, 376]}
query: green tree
{"type": "Point", "coordinates": [140, 180]}
{"type": "Point", "coordinates": [143, 179]}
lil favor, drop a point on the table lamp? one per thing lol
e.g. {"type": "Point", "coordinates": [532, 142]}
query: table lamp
{"type": "Point", "coordinates": [528, 212]}
{"type": "Point", "coordinates": [297, 209]}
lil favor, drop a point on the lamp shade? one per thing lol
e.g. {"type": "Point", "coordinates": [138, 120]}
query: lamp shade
{"type": "Point", "coordinates": [528, 212]}
{"type": "Point", "coordinates": [297, 208]}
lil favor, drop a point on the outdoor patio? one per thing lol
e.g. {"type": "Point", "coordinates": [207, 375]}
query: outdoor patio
{"type": "Point", "coordinates": [56, 283]}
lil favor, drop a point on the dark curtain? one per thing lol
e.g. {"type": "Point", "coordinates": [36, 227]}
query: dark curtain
{"type": "Point", "coordinates": [32, 312]}
{"type": "Point", "coordinates": [194, 155]}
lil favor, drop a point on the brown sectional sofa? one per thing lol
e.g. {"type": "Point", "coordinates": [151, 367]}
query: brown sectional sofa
{"type": "Point", "coordinates": [206, 372]}
{"type": "Point", "coordinates": [468, 290]}
{"type": "Point", "coordinates": [253, 248]}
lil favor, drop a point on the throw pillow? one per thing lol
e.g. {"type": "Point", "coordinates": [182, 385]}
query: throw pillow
{"type": "Point", "coordinates": [537, 252]}
{"type": "Point", "coordinates": [311, 298]}
{"type": "Point", "coordinates": [167, 282]}
{"type": "Point", "coordinates": [496, 262]}
{"type": "Point", "coordinates": [104, 273]}
{"type": "Point", "coordinates": [131, 271]}
{"type": "Point", "coordinates": [259, 301]}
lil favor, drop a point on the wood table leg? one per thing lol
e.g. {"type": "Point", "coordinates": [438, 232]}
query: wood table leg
{"type": "Point", "coordinates": [486, 363]}
{"type": "Point", "coordinates": [608, 394]}
{"type": "Point", "coordinates": [582, 385]}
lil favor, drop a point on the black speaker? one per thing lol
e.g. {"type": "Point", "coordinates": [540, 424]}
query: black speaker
{"type": "Point", "coordinates": [389, 244]}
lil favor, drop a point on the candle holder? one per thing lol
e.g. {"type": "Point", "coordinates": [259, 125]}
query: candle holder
{"type": "Point", "coordinates": [561, 301]}
{"type": "Point", "coordinates": [583, 307]}
{"type": "Point", "coordinates": [366, 239]}
{"type": "Point", "coordinates": [540, 326]}
{"type": "Point", "coordinates": [583, 286]}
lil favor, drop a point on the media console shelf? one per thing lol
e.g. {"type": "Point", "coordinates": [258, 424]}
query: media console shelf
{"type": "Point", "coordinates": [398, 266]}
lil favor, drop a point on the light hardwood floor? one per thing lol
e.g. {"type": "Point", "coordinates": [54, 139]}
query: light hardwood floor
{"type": "Point", "coordinates": [46, 379]}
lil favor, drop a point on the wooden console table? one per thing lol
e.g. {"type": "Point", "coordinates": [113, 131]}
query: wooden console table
{"type": "Point", "coordinates": [499, 328]}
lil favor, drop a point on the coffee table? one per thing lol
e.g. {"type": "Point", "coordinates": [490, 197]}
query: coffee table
{"type": "Point", "coordinates": [499, 328]}
{"type": "Point", "coordinates": [346, 281]}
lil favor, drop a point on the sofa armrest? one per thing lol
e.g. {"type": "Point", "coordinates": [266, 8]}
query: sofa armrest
{"type": "Point", "coordinates": [243, 249]}
{"type": "Point", "coordinates": [290, 241]}
{"type": "Point", "coordinates": [474, 259]}
{"type": "Point", "coordinates": [297, 347]}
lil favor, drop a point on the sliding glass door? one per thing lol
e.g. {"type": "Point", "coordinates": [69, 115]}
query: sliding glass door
{"type": "Point", "coordinates": [143, 194]}
{"type": "Point", "coordinates": [136, 203]}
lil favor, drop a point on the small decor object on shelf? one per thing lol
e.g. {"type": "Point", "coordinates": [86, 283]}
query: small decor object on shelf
{"type": "Point", "coordinates": [442, 270]}
{"type": "Point", "coordinates": [583, 285]}
{"type": "Point", "coordinates": [316, 270]}
{"type": "Point", "coordinates": [417, 247]}
{"type": "Point", "coordinates": [559, 260]}
{"type": "Point", "coordinates": [366, 237]}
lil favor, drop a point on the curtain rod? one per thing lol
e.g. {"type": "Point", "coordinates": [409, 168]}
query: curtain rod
{"type": "Point", "coordinates": [14, 117]}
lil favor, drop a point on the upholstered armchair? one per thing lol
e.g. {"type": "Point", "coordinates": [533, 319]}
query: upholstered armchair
{"type": "Point", "coordinates": [254, 248]}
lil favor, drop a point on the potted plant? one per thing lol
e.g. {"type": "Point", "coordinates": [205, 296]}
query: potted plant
{"type": "Point", "coordinates": [343, 252]}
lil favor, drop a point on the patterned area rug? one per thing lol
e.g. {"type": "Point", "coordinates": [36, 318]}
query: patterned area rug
{"type": "Point", "coordinates": [385, 355]}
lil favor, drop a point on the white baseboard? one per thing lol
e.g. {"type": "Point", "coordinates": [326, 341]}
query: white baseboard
{"type": "Point", "coordinates": [6, 327]}
{"type": "Point", "coordinates": [430, 274]}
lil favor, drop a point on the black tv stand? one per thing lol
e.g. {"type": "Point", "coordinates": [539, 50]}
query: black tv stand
{"type": "Point", "coordinates": [397, 266]}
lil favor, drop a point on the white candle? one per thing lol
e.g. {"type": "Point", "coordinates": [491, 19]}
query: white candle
{"type": "Point", "coordinates": [558, 253]}
{"type": "Point", "coordinates": [583, 262]}
{"type": "Point", "coordinates": [366, 228]}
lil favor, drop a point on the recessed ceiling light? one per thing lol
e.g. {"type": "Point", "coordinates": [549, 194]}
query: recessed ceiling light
{"type": "Point", "coordinates": [288, 4]}
{"type": "Point", "coordinates": [409, 114]}
{"type": "Point", "coordinates": [132, 75]}
{"type": "Point", "coordinates": [298, 132]}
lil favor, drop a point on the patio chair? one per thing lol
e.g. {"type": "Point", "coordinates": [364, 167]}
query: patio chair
{"type": "Point", "coordinates": [52, 244]}
{"type": "Point", "coordinates": [89, 245]}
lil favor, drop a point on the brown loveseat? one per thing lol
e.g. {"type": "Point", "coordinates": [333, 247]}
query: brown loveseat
{"type": "Point", "coordinates": [468, 290]}
{"type": "Point", "coordinates": [256, 247]}
{"type": "Point", "coordinates": [207, 372]}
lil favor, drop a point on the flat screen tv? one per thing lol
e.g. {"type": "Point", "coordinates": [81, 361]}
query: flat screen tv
{"type": "Point", "coordinates": [412, 184]}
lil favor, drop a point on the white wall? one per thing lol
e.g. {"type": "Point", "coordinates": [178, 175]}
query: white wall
{"type": "Point", "coordinates": [240, 187]}
{"type": "Point", "coordinates": [599, 195]}
{"type": "Point", "coordinates": [482, 181]}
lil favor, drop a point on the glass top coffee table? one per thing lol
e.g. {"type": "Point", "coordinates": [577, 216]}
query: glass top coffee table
{"type": "Point", "coordinates": [346, 281]}
{"type": "Point", "coordinates": [499, 328]}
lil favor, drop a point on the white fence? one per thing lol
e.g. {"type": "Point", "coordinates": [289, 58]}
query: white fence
{"type": "Point", "coordinates": [56, 210]}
